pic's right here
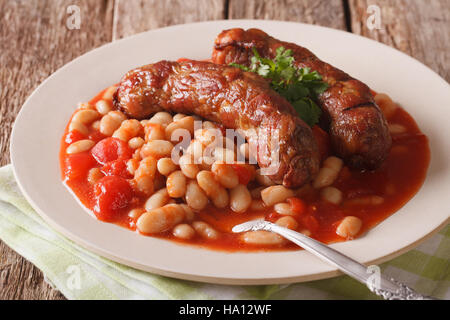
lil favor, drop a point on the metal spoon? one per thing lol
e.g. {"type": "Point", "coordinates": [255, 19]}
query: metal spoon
{"type": "Point", "coordinates": [387, 288]}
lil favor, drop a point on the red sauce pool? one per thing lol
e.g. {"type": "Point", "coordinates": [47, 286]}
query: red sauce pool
{"type": "Point", "coordinates": [395, 182]}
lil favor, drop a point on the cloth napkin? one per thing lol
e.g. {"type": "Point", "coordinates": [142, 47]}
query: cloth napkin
{"type": "Point", "coordinates": [81, 274]}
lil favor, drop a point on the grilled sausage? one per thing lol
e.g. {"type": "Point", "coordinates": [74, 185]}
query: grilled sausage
{"type": "Point", "coordinates": [357, 127]}
{"type": "Point", "coordinates": [232, 97]}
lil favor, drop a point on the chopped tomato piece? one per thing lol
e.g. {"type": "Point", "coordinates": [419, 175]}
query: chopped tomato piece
{"type": "Point", "coordinates": [77, 165]}
{"type": "Point", "coordinates": [323, 141]}
{"type": "Point", "coordinates": [110, 149]}
{"type": "Point", "coordinates": [112, 195]}
{"type": "Point", "coordinates": [116, 168]}
{"type": "Point", "coordinates": [297, 205]}
{"type": "Point", "coordinates": [73, 136]}
{"type": "Point", "coordinates": [244, 172]}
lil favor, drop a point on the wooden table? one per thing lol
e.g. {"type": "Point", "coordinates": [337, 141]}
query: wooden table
{"type": "Point", "coordinates": [34, 42]}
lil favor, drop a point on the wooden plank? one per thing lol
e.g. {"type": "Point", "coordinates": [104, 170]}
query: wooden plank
{"type": "Point", "coordinates": [328, 13]}
{"type": "Point", "coordinates": [418, 28]}
{"type": "Point", "coordinates": [133, 16]}
{"type": "Point", "coordinates": [35, 41]}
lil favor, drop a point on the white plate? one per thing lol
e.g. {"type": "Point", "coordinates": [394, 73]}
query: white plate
{"type": "Point", "coordinates": [39, 126]}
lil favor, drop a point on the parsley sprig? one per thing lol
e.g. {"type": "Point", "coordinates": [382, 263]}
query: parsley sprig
{"type": "Point", "coordinates": [300, 86]}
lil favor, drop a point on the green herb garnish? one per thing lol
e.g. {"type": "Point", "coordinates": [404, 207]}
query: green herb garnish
{"type": "Point", "coordinates": [299, 86]}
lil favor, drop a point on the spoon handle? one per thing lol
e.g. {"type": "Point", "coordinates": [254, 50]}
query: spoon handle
{"type": "Point", "coordinates": [387, 288]}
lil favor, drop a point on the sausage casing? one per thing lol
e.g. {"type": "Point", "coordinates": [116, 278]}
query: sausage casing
{"type": "Point", "coordinates": [357, 127]}
{"type": "Point", "coordinates": [236, 99]}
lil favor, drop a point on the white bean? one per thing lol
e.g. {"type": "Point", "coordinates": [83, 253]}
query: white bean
{"type": "Point", "coordinates": [186, 123]}
{"type": "Point", "coordinates": [176, 184]}
{"type": "Point", "coordinates": [137, 154]}
{"type": "Point", "coordinates": [160, 219]}
{"type": "Point", "coordinates": [187, 166]}
{"type": "Point", "coordinates": [157, 200]}
{"type": "Point", "coordinates": [178, 116]}
{"type": "Point", "coordinates": [229, 144]}
{"type": "Point", "coordinates": [213, 189]}
{"type": "Point", "coordinates": [205, 230]}
{"type": "Point", "coordinates": [195, 196]}
{"type": "Point", "coordinates": [147, 167]}
{"type": "Point", "coordinates": [306, 232]}
{"type": "Point", "coordinates": [381, 98]}
{"type": "Point", "coordinates": [111, 122]}
{"type": "Point", "coordinates": [80, 146]}
{"type": "Point", "coordinates": [103, 107]}
{"type": "Point", "coordinates": [287, 222]}
{"type": "Point", "coordinates": [144, 184]}
{"type": "Point", "coordinates": [328, 173]}
{"type": "Point", "coordinates": [206, 163]}
{"type": "Point", "coordinates": [78, 126]}
{"type": "Point", "coordinates": [195, 149]}
{"type": "Point", "coordinates": [94, 175]}
{"type": "Point", "coordinates": [166, 166]}
{"type": "Point", "coordinates": [154, 131]}
{"type": "Point", "coordinates": [96, 125]}
{"type": "Point", "coordinates": [136, 142]}
{"type": "Point", "coordinates": [157, 148]}
{"type": "Point", "coordinates": [86, 116]}
{"type": "Point", "coordinates": [221, 199]}
{"type": "Point", "coordinates": [108, 94]}
{"type": "Point", "coordinates": [275, 194]}
{"type": "Point", "coordinates": [190, 215]}
{"type": "Point", "coordinates": [265, 238]}
{"type": "Point", "coordinates": [224, 155]}
{"type": "Point", "coordinates": [144, 175]}
{"type": "Point", "coordinates": [225, 174]}
{"type": "Point", "coordinates": [240, 198]}
{"type": "Point", "coordinates": [331, 194]}
{"type": "Point", "coordinates": [132, 165]}
{"type": "Point", "coordinates": [162, 118]}
{"type": "Point", "coordinates": [183, 231]}
{"type": "Point", "coordinates": [244, 150]}
{"type": "Point", "coordinates": [208, 137]}
{"type": "Point", "coordinates": [85, 105]}
{"type": "Point", "coordinates": [349, 227]}
{"type": "Point", "coordinates": [128, 129]}
{"type": "Point", "coordinates": [284, 209]}
{"type": "Point", "coordinates": [208, 183]}
{"type": "Point", "coordinates": [209, 125]}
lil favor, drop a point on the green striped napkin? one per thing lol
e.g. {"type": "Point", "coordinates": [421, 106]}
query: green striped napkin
{"type": "Point", "coordinates": [80, 274]}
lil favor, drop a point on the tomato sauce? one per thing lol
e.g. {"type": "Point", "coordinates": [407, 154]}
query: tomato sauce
{"type": "Point", "coordinates": [372, 196]}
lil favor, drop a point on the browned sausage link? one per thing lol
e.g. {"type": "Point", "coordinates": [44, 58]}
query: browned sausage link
{"type": "Point", "coordinates": [356, 125]}
{"type": "Point", "coordinates": [237, 99]}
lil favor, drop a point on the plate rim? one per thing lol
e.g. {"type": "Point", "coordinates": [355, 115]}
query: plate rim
{"type": "Point", "coordinates": [333, 272]}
